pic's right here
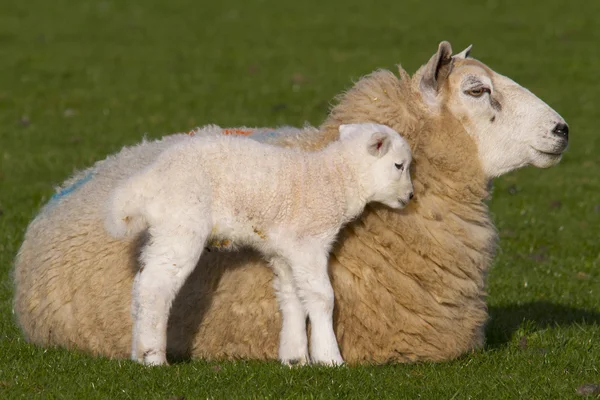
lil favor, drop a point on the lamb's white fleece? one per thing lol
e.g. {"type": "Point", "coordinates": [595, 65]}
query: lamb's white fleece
{"type": "Point", "coordinates": [286, 203]}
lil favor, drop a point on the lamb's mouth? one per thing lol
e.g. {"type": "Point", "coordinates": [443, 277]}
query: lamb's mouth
{"type": "Point", "coordinates": [402, 202]}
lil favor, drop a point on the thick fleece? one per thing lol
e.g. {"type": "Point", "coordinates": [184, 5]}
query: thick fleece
{"type": "Point", "coordinates": [409, 284]}
{"type": "Point", "coordinates": [401, 294]}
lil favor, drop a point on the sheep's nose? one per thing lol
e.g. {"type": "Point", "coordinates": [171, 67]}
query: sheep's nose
{"type": "Point", "coordinates": [411, 195]}
{"type": "Point", "coordinates": [561, 129]}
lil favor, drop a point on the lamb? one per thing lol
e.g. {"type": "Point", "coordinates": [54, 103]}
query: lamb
{"type": "Point", "coordinates": [288, 204]}
{"type": "Point", "coordinates": [409, 284]}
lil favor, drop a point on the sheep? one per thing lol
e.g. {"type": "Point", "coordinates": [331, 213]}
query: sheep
{"type": "Point", "coordinates": [287, 204]}
{"type": "Point", "coordinates": [409, 284]}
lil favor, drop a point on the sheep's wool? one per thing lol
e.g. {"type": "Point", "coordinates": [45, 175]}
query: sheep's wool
{"type": "Point", "coordinates": [409, 285]}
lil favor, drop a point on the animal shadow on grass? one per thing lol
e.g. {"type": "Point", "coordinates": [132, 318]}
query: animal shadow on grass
{"type": "Point", "coordinates": [195, 298]}
{"type": "Point", "coordinates": [190, 304]}
{"type": "Point", "coordinates": [506, 320]}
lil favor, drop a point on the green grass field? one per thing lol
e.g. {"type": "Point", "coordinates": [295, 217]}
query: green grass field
{"type": "Point", "coordinates": [80, 79]}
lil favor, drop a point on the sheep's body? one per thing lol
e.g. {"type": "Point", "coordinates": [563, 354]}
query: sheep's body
{"type": "Point", "coordinates": [286, 203]}
{"type": "Point", "coordinates": [409, 284]}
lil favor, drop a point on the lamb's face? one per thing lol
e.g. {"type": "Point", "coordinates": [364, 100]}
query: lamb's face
{"type": "Point", "coordinates": [511, 126]}
{"type": "Point", "coordinates": [384, 159]}
{"type": "Point", "coordinates": [390, 174]}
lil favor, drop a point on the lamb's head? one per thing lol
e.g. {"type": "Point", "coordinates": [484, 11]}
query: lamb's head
{"type": "Point", "coordinates": [382, 159]}
{"type": "Point", "coordinates": [511, 126]}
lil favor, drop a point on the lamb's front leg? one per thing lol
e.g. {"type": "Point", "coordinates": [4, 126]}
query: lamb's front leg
{"type": "Point", "coordinates": [167, 260]}
{"type": "Point", "coordinates": [293, 346]}
{"type": "Point", "coordinates": [314, 289]}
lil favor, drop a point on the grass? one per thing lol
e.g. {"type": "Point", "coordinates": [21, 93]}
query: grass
{"type": "Point", "coordinates": [80, 79]}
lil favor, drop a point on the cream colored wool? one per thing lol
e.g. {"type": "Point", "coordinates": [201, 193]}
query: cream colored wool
{"type": "Point", "coordinates": [409, 285]}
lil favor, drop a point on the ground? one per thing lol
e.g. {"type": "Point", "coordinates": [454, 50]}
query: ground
{"type": "Point", "coordinates": [80, 79]}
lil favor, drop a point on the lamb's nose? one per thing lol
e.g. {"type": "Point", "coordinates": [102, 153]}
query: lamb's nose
{"type": "Point", "coordinates": [561, 129]}
{"type": "Point", "coordinates": [411, 195]}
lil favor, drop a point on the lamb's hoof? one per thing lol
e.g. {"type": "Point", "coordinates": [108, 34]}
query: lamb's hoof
{"type": "Point", "coordinates": [334, 362]}
{"type": "Point", "coordinates": [295, 362]}
{"type": "Point", "coordinates": [154, 358]}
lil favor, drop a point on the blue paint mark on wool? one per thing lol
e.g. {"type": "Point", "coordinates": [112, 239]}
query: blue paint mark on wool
{"type": "Point", "coordinates": [262, 136]}
{"type": "Point", "coordinates": [72, 187]}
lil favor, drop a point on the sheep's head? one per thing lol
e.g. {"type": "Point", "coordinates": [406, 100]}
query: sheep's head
{"type": "Point", "coordinates": [382, 158]}
{"type": "Point", "coordinates": [511, 126]}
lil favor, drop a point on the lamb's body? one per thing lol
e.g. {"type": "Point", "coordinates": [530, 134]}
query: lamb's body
{"type": "Point", "coordinates": [263, 191]}
{"type": "Point", "coordinates": [255, 190]}
{"type": "Point", "coordinates": [286, 203]}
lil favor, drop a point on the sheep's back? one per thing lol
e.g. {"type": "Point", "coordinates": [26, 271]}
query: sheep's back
{"type": "Point", "coordinates": [72, 280]}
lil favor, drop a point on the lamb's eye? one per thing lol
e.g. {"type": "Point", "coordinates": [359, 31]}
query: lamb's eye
{"type": "Point", "coordinates": [478, 91]}
{"type": "Point", "coordinates": [400, 166]}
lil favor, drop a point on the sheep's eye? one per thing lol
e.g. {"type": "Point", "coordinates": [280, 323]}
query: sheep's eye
{"type": "Point", "coordinates": [400, 166]}
{"type": "Point", "coordinates": [478, 91]}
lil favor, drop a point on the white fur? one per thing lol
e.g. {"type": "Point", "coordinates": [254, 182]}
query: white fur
{"type": "Point", "coordinates": [521, 133]}
{"type": "Point", "coordinates": [516, 132]}
{"type": "Point", "coordinates": [288, 204]}
{"type": "Point", "coordinates": [511, 126]}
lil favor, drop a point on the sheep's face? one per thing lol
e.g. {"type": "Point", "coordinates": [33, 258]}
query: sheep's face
{"type": "Point", "coordinates": [511, 126]}
{"type": "Point", "coordinates": [383, 161]}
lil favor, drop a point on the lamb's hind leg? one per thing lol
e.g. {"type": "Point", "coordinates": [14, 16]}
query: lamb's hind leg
{"type": "Point", "coordinates": [314, 289]}
{"type": "Point", "coordinates": [293, 346]}
{"type": "Point", "coordinates": [135, 307]}
{"type": "Point", "coordinates": [167, 260]}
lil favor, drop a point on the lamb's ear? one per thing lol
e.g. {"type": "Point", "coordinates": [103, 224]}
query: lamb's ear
{"type": "Point", "coordinates": [436, 71]}
{"type": "Point", "coordinates": [465, 53]}
{"type": "Point", "coordinates": [378, 144]}
{"type": "Point", "coordinates": [346, 131]}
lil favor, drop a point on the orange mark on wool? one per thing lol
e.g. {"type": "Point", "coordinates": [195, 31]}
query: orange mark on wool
{"type": "Point", "coordinates": [236, 131]}
{"type": "Point", "coordinates": [229, 131]}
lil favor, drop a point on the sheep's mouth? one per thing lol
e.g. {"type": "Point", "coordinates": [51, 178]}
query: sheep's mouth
{"type": "Point", "coordinates": [552, 150]}
{"type": "Point", "coordinates": [552, 153]}
{"type": "Point", "coordinates": [545, 159]}
{"type": "Point", "coordinates": [402, 202]}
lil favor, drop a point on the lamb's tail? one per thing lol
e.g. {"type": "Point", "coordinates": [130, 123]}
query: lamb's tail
{"type": "Point", "coordinates": [126, 213]}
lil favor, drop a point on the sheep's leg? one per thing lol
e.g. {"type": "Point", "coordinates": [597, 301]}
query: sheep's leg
{"type": "Point", "coordinates": [168, 259]}
{"type": "Point", "coordinates": [293, 345]}
{"type": "Point", "coordinates": [314, 289]}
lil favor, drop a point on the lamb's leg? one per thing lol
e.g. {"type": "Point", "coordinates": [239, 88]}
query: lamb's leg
{"type": "Point", "coordinates": [314, 289]}
{"type": "Point", "coordinates": [135, 307]}
{"type": "Point", "coordinates": [167, 260]}
{"type": "Point", "coordinates": [293, 346]}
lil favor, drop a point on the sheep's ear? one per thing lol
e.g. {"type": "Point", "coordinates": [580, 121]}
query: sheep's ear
{"type": "Point", "coordinates": [378, 144]}
{"type": "Point", "coordinates": [464, 54]}
{"type": "Point", "coordinates": [436, 71]}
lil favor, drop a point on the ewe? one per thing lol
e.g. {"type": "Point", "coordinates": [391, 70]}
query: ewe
{"type": "Point", "coordinates": [287, 204]}
{"type": "Point", "coordinates": [409, 284]}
